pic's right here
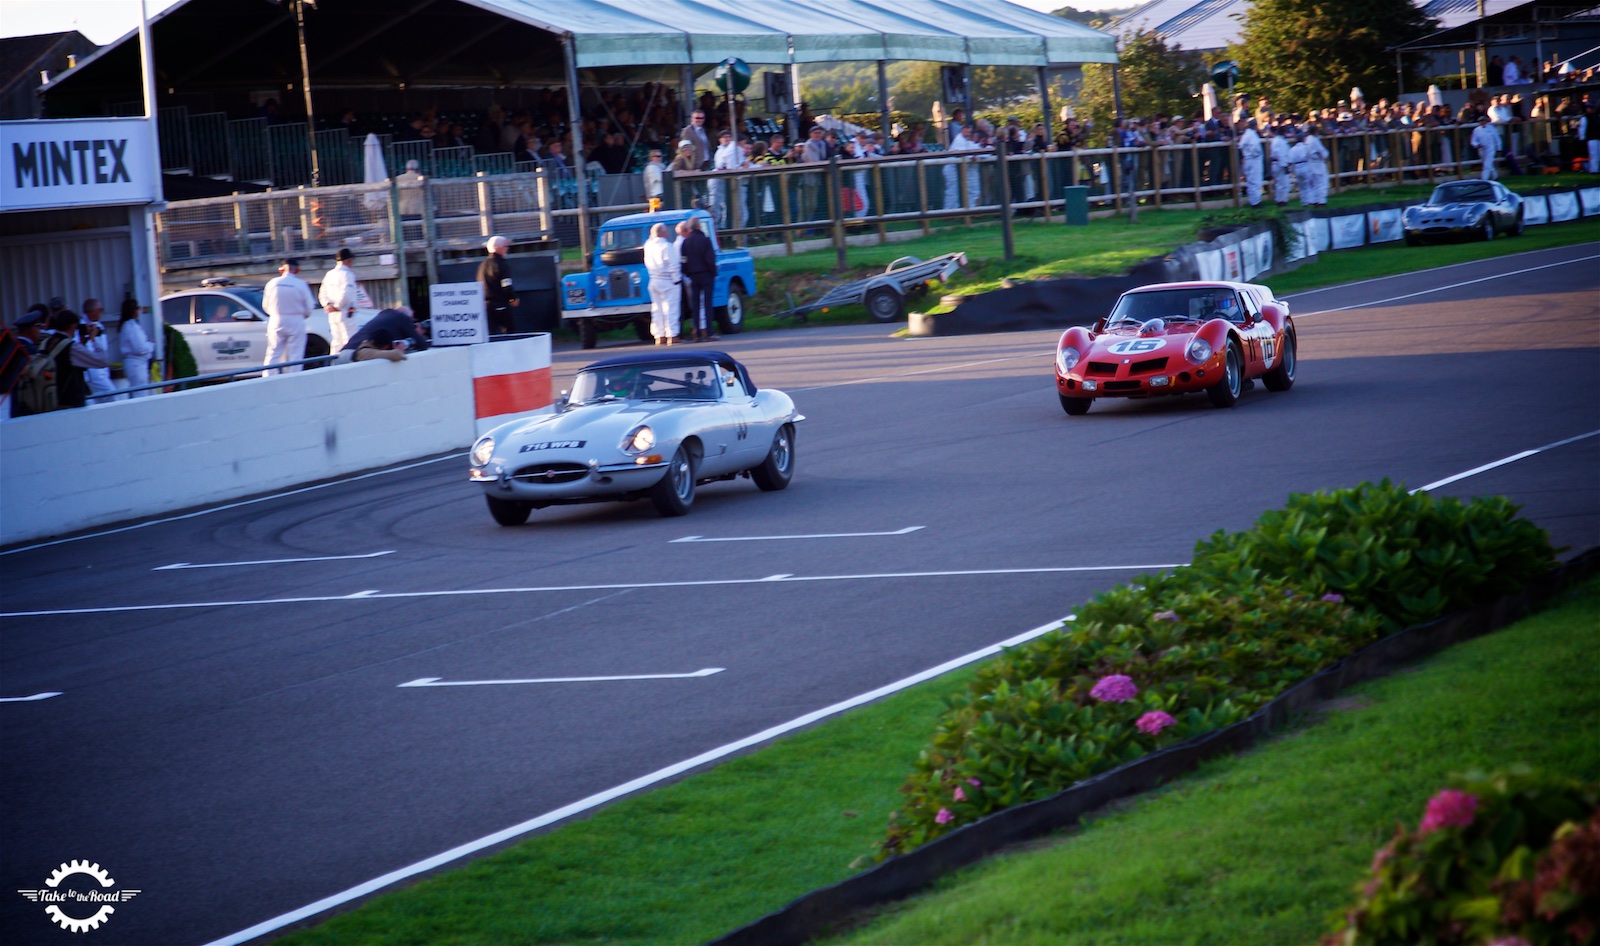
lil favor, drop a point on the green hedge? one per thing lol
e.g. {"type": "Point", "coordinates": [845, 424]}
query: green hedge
{"type": "Point", "coordinates": [1170, 656]}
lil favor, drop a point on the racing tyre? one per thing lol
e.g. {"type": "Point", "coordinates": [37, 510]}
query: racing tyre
{"type": "Point", "coordinates": [1487, 233]}
{"type": "Point", "coordinates": [1516, 228]}
{"type": "Point", "coordinates": [1225, 393]}
{"type": "Point", "coordinates": [1075, 406]}
{"type": "Point", "coordinates": [1281, 378]}
{"type": "Point", "coordinates": [508, 512]}
{"type": "Point", "coordinates": [674, 493]}
{"type": "Point", "coordinates": [316, 347]}
{"type": "Point", "coordinates": [586, 332]}
{"type": "Point", "coordinates": [777, 469]}
{"type": "Point", "coordinates": [884, 304]}
{"type": "Point", "coordinates": [641, 329]}
{"type": "Point", "coordinates": [1411, 240]}
{"type": "Point", "coordinates": [730, 317]}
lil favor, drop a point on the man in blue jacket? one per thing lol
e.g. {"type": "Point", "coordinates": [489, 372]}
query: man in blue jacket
{"type": "Point", "coordinates": [700, 271]}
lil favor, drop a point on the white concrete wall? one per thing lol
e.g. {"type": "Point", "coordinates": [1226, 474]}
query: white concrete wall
{"type": "Point", "coordinates": [105, 463]}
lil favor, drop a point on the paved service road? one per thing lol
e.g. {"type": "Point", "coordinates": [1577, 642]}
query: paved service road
{"type": "Point", "coordinates": [233, 740]}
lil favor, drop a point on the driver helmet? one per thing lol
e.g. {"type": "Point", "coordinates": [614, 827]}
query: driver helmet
{"type": "Point", "coordinates": [1228, 306]}
{"type": "Point", "coordinates": [621, 383]}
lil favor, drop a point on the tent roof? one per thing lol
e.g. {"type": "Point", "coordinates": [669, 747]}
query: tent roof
{"type": "Point", "coordinates": [242, 43]}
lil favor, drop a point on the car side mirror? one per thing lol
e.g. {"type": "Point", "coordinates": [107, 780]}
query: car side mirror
{"type": "Point", "coordinates": [1098, 326]}
{"type": "Point", "coordinates": [243, 315]}
{"type": "Point", "coordinates": [561, 401]}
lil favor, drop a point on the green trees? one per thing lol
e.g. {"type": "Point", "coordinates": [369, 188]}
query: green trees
{"type": "Point", "coordinates": [1156, 79]}
{"type": "Point", "coordinates": [1307, 54]}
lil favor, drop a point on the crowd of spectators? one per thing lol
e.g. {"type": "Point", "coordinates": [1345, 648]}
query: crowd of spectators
{"type": "Point", "coordinates": [78, 355]}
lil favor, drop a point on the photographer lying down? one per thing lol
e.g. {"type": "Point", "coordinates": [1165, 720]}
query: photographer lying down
{"type": "Point", "coordinates": [388, 335]}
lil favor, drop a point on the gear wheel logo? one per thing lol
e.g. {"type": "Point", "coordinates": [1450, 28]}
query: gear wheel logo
{"type": "Point", "coordinates": [54, 895]}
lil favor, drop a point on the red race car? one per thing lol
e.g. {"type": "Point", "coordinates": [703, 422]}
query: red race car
{"type": "Point", "coordinates": [1178, 337]}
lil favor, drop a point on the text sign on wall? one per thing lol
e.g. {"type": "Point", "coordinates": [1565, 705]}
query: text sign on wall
{"type": "Point", "coordinates": [458, 314]}
{"type": "Point", "coordinates": [77, 162]}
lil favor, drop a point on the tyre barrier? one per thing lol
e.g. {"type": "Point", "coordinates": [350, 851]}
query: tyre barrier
{"type": "Point", "coordinates": [828, 910]}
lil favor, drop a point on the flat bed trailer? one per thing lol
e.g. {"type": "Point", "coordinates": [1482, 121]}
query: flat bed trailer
{"type": "Point", "coordinates": [884, 294]}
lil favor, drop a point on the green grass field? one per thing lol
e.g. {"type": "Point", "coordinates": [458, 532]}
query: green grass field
{"type": "Point", "coordinates": [1266, 846]}
{"type": "Point", "coordinates": [1253, 849]}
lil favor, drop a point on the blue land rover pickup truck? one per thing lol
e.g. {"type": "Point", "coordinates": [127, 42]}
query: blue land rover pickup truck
{"type": "Point", "coordinates": [615, 291]}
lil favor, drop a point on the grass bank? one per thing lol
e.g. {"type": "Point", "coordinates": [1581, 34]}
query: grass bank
{"type": "Point", "coordinates": [1254, 849]}
{"type": "Point", "coordinates": [1265, 846]}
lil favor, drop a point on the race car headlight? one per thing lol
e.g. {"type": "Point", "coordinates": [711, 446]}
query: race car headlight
{"type": "Point", "coordinates": [639, 440]}
{"type": "Point", "coordinates": [1067, 358]}
{"type": "Point", "coordinates": [1199, 351]}
{"type": "Point", "coordinates": [482, 451]}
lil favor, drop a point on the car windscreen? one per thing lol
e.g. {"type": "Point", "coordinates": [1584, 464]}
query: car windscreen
{"type": "Point", "coordinates": [623, 238]}
{"type": "Point", "coordinates": [670, 381]}
{"type": "Point", "coordinates": [1461, 193]}
{"type": "Point", "coordinates": [1199, 304]}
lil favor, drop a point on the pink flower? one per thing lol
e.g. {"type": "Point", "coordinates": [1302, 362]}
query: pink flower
{"type": "Point", "coordinates": [960, 795]}
{"type": "Point", "coordinates": [974, 782]}
{"type": "Point", "coordinates": [1153, 722]}
{"type": "Point", "coordinates": [1333, 597]}
{"type": "Point", "coordinates": [1116, 688]}
{"type": "Point", "coordinates": [944, 816]}
{"type": "Point", "coordinates": [1165, 616]}
{"type": "Point", "coordinates": [1448, 809]}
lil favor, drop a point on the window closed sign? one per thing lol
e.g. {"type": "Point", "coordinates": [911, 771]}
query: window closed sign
{"type": "Point", "coordinates": [75, 163]}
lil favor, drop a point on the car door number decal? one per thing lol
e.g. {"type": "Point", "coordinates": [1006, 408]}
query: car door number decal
{"type": "Point", "coordinates": [1268, 350]}
{"type": "Point", "coordinates": [744, 430]}
{"type": "Point", "coordinates": [1135, 346]}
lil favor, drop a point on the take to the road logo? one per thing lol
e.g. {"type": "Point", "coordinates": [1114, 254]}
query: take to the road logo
{"type": "Point", "coordinates": [78, 896]}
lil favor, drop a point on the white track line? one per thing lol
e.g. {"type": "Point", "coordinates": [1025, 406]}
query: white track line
{"type": "Point", "coordinates": [29, 699]}
{"type": "Point", "coordinates": [619, 586]}
{"type": "Point", "coordinates": [1511, 459]}
{"type": "Point", "coordinates": [441, 682]}
{"type": "Point", "coordinates": [600, 798]}
{"type": "Point", "coordinates": [778, 538]}
{"type": "Point", "coordinates": [269, 561]}
{"type": "Point", "coordinates": [1455, 285]}
{"type": "Point", "coordinates": [1341, 287]}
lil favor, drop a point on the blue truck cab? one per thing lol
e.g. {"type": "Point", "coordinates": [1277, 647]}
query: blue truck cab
{"type": "Point", "coordinates": [616, 290]}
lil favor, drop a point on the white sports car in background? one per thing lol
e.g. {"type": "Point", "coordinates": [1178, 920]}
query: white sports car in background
{"type": "Point", "coordinates": [648, 425]}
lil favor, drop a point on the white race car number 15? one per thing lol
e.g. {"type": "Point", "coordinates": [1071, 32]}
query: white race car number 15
{"type": "Point", "coordinates": [1135, 346]}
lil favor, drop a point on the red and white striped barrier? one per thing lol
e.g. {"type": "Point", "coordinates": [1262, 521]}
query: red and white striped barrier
{"type": "Point", "coordinates": [510, 380]}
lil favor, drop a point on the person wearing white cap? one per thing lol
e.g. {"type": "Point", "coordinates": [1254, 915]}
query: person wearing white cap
{"type": "Point", "coordinates": [341, 294]}
{"type": "Point", "coordinates": [499, 295]}
{"type": "Point", "coordinates": [1487, 140]}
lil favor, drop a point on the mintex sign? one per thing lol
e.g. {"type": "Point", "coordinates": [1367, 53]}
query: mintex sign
{"type": "Point", "coordinates": [77, 162]}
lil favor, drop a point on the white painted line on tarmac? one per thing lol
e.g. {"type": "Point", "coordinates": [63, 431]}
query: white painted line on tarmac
{"type": "Point", "coordinates": [1476, 264]}
{"type": "Point", "coordinates": [618, 586]}
{"type": "Point", "coordinates": [269, 561]}
{"type": "Point", "coordinates": [778, 538]}
{"type": "Point", "coordinates": [1454, 285]}
{"type": "Point", "coordinates": [610, 794]}
{"type": "Point", "coordinates": [29, 699]}
{"type": "Point", "coordinates": [1499, 463]}
{"type": "Point", "coordinates": [441, 682]}
{"type": "Point", "coordinates": [909, 374]}
{"type": "Point", "coordinates": [244, 502]}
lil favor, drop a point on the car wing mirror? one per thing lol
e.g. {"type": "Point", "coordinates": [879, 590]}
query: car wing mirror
{"type": "Point", "coordinates": [1098, 326]}
{"type": "Point", "coordinates": [244, 315]}
{"type": "Point", "coordinates": [561, 401]}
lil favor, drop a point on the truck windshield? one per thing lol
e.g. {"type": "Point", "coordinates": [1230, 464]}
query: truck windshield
{"type": "Point", "coordinates": [623, 239]}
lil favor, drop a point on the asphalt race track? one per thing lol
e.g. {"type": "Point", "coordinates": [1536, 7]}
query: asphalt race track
{"type": "Point", "coordinates": [232, 738]}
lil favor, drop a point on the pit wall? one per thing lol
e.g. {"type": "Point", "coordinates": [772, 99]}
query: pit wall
{"type": "Point", "coordinates": [76, 469]}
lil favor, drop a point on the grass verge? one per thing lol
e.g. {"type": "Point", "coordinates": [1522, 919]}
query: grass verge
{"type": "Point", "coordinates": [1265, 846]}
{"type": "Point", "coordinates": [1299, 819]}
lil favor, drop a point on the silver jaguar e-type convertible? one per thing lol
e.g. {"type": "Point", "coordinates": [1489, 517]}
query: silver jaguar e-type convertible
{"type": "Point", "coordinates": [648, 425]}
